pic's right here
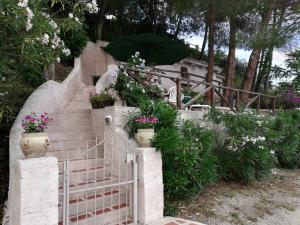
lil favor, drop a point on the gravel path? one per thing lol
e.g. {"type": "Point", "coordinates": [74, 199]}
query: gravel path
{"type": "Point", "coordinates": [275, 201]}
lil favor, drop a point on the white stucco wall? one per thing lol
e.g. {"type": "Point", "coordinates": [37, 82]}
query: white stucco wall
{"type": "Point", "coordinates": [36, 192]}
{"type": "Point", "coordinates": [49, 97]}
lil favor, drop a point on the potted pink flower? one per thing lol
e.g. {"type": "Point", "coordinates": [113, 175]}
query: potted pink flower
{"type": "Point", "coordinates": [34, 141]}
{"type": "Point", "coordinates": [145, 130]}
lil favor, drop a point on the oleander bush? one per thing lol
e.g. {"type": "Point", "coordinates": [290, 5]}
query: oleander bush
{"type": "Point", "coordinates": [189, 162]}
{"type": "Point", "coordinates": [284, 134]}
{"type": "Point", "coordinates": [246, 154]}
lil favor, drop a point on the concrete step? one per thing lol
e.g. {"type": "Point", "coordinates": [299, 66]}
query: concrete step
{"type": "Point", "coordinates": [64, 145]}
{"type": "Point", "coordinates": [80, 127]}
{"type": "Point", "coordinates": [83, 175]}
{"type": "Point", "coordinates": [68, 118]}
{"type": "Point", "coordinates": [113, 215]}
{"type": "Point", "coordinates": [78, 164]}
{"type": "Point", "coordinates": [75, 154]}
{"type": "Point", "coordinates": [74, 111]}
{"type": "Point", "coordinates": [95, 200]}
{"type": "Point", "coordinates": [98, 184]}
{"type": "Point", "coordinates": [71, 135]}
{"type": "Point", "coordinates": [78, 105]}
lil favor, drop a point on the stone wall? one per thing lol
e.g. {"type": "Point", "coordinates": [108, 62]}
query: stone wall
{"type": "Point", "coordinates": [94, 61]}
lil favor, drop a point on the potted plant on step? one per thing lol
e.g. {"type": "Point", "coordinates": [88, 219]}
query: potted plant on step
{"type": "Point", "coordinates": [142, 128]}
{"type": "Point", "coordinates": [102, 100]}
{"type": "Point", "coordinates": [34, 141]}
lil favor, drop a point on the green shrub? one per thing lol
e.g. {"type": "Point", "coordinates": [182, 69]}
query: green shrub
{"type": "Point", "coordinates": [245, 155]}
{"type": "Point", "coordinates": [130, 91]}
{"type": "Point", "coordinates": [188, 159]}
{"type": "Point", "coordinates": [101, 100]}
{"type": "Point", "coordinates": [284, 133]}
{"type": "Point", "coordinates": [75, 40]}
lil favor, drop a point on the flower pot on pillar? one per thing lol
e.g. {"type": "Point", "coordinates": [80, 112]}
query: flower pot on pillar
{"type": "Point", "coordinates": [34, 144]}
{"type": "Point", "coordinates": [144, 137]}
{"type": "Point", "coordinates": [34, 141]}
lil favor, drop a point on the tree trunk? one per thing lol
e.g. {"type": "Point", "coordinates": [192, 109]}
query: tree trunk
{"type": "Point", "coordinates": [211, 51]}
{"type": "Point", "coordinates": [254, 57]}
{"type": "Point", "coordinates": [264, 70]}
{"type": "Point", "coordinates": [268, 71]}
{"type": "Point", "coordinates": [248, 79]}
{"type": "Point", "coordinates": [258, 69]}
{"type": "Point", "coordinates": [231, 62]}
{"type": "Point", "coordinates": [100, 20]}
{"type": "Point", "coordinates": [178, 26]}
{"type": "Point", "coordinates": [204, 41]}
{"type": "Point", "coordinates": [49, 72]}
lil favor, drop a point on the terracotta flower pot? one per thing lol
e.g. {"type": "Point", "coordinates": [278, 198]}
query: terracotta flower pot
{"type": "Point", "coordinates": [144, 137]}
{"type": "Point", "coordinates": [34, 144]}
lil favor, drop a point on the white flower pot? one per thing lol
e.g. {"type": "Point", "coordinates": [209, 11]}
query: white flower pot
{"type": "Point", "coordinates": [144, 137]}
{"type": "Point", "coordinates": [34, 144]}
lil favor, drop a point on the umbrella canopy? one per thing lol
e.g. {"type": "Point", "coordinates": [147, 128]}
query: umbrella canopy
{"type": "Point", "coordinates": [153, 48]}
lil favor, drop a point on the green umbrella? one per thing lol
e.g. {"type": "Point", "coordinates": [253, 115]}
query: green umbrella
{"type": "Point", "coordinates": [153, 48]}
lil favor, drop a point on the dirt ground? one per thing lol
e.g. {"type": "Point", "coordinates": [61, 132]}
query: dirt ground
{"type": "Point", "coordinates": [275, 201]}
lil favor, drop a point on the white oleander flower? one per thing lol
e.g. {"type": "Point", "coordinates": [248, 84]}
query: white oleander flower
{"type": "Point", "coordinates": [53, 24]}
{"type": "Point", "coordinates": [71, 15]}
{"type": "Point", "coordinates": [92, 6]}
{"type": "Point", "coordinates": [77, 20]}
{"type": "Point", "coordinates": [23, 3]}
{"type": "Point", "coordinates": [45, 39]}
{"type": "Point", "coordinates": [58, 59]}
{"type": "Point", "coordinates": [110, 17]}
{"type": "Point", "coordinates": [30, 15]}
{"type": "Point", "coordinates": [66, 51]}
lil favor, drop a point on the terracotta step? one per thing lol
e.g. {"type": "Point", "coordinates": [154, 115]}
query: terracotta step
{"type": "Point", "coordinates": [82, 175]}
{"type": "Point", "coordinates": [112, 215]}
{"type": "Point", "coordinates": [88, 202]}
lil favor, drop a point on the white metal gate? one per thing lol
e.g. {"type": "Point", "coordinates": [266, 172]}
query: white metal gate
{"type": "Point", "coordinates": [99, 185]}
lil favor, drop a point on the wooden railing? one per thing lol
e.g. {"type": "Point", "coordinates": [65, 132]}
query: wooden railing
{"type": "Point", "coordinates": [239, 98]}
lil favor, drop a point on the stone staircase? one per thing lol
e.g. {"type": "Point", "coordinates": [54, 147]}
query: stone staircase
{"type": "Point", "coordinates": [71, 134]}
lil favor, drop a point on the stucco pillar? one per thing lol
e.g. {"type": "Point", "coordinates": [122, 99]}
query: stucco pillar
{"type": "Point", "coordinates": [150, 185]}
{"type": "Point", "coordinates": [36, 192]}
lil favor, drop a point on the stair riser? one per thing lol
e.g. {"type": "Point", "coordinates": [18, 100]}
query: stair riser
{"type": "Point", "coordinates": [89, 205]}
{"type": "Point", "coordinates": [78, 128]}
{"type": "Point", "coordinates": [79, 107]}
{"type": "Point", "coordinates": [72, 145]}
{"type": "Point", "coordinates": [82, 164]}
{"type": "Point", "coordinates": [69, 121]}
{"type": "Point", "coordinates": [74, 135]}
{"type": "Point", "coordinates": [110, 218]}
{"type": "Point", "coordinates": [98, 187]}
{"type": "Point", "coordinates": [73, 154]}
{"type": "Point", "coordinates": [79, 177]}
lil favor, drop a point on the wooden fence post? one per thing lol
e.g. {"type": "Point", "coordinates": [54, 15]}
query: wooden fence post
{"type": "Point", "coordinates": [178, 94]}
{"type": "Point", "coordinates": [258, 103]}
{"type": "Point", "coordinates": [212, 96]}
{"type": "Point", "coordinates": [273, 104]}
{"type": "Point", "coordinates": [237, 102]}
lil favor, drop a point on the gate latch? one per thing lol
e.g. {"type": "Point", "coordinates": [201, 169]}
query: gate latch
{"type": "Point", "coordinates": [129, 157]}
